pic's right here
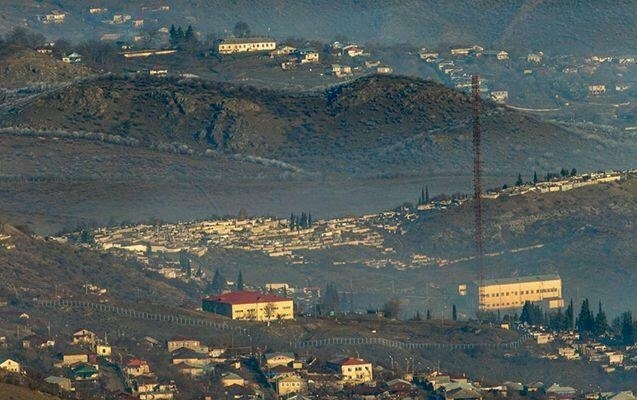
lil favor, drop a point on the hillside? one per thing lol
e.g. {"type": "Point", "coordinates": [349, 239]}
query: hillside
{"type": "Point", "coordinates": [131, 148]}
{"type": "Point", "coordinates": [34, 267]}
{"type": "Point", "coordinates": [23, 65]}
{"type": "Point", "coordinates": [14, 392]}
{"type": "Point", "coordinates": [374, 126]}
{"type": "Point", "coordinates": [551, 25]}
{"type": "Point", "coordinates": [578, 234]}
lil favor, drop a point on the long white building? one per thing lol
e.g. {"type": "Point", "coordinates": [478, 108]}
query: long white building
{"type": "Point", "coordinates": [510, 293]}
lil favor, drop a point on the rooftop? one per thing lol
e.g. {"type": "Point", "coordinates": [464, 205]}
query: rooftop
{"type": "Point", "coordinates": [246, 297]}
{"type": "Point", "coordinates": [246, 40]}
{"type": "Point", "coordinates": [350, 361]}
{"type": "Point", "coordinates": [521, 279]}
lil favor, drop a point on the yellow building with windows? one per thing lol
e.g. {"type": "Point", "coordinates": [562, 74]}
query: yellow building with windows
{"type": "Point", "coordinates": [250, 306]}
{"type": "Point", "coordinates": [508, 293]}
{"type": "Point", "coordinates": [246, 45]}
{"type": "Point", "coordinates": [353, 370]}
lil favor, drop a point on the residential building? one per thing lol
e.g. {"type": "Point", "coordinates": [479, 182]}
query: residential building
{"type": "Point", "coordinates": [596, 89]}
{"type": "Point", "coordinates": [510, 293]}
{"type": "Point", "coordinates": [158, 71]}
{"type": "Point", "coordinates": [341, 70]}
{"type": "Point", "coordinates": [54, 17]}
{"type": "Point", "coordinates": [535, 57]}
{"type": "Point", "coordinates": [84, 372]}
{"type": "Point", "coordinates": [177, 342]}
{"type": "Point", "coordinates": [11, 366]}
{"type": "Point", "coordinates": [500, 96]}
{"type": "Point", "coordinates": [283, 51]}
{"type": "Point", "coordinates": [384, 70]}
{"type": "Point", "coordinates": [61, 382]}
{"type": "Point", "coordinates": [290, 384]}
{"type": "Point", "coordinates": [502, 55]}
{"type": "Point", "coordinates": [246, 45]}
{"type": "Point", "coordinates": [97, 10]}
{"type": "Point", "coordinates": [190, 357]}
{"type": "Point", "coordinates": [465, 51]}
{"type": "Point", "coordinates": [353, 370]}
{"type": "Point", "coordinates": [250, 306]}
{"type": "Point", "coordinates": [428, 55]}
{"type": "Point", "coordinates": [274, 359]}
{"type": "Point", "coordinates": [44, 49]}
{"type": "Point", "coordinates": [308, 55]}
{"type": "Point", "coordinates": [192, 370]}
{"type": "Point", "coordinates": [230, 378]}
{"type": "Point", "coordinates": [137, 367]}
{"type": "Point", "coordinates": [72, 58]}
{"type": "Point", "coordinates": [74, 356]}
{"type": "Point", "coordinates": [103, 350]}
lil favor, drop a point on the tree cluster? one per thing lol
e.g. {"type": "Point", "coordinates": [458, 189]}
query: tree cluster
{"type": "Point", "coordinates": [184, 263]}
{"type": "Point", "coordinates": [183, 40]}
{"type": "Point", "coordinates": [391, 309]}
{"type": "Point", "coordinates": [424, 196]}
{"type": "Point", "coordinates": [218, 283]}
{"type": "Point", "coordinates": [564, 173]}
{"type": "Point", "coordinates": [302, 221]}
{"type": "Point", "coordinates": [330, 302]}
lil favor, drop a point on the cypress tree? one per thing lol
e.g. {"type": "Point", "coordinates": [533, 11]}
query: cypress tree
{"type": "Point", "coordinates": [601, 322]}
{"type": "Point", "coordinates": [240, 281]}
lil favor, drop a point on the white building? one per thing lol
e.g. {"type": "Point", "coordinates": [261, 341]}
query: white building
{"type": "Point", "coordinates": [246, 45]}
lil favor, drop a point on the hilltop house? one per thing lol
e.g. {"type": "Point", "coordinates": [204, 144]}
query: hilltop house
{"type": "Point", "coordinates": [250, 306]}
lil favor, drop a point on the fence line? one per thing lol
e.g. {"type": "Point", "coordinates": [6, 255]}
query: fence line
{"type": "Point", "coordinates": [298, 344]}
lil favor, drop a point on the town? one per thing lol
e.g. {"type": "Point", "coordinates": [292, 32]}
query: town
{"type": "Point", "coordinates": [165, 119]}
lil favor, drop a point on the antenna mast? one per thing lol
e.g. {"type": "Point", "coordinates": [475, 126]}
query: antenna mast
{"type": "Point", "coordinates": [477, 185]}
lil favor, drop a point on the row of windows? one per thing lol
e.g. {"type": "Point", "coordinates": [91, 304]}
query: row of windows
{"type": "Point", "coordinates": [502, 294]}
{"type": "Point", "coordinates": [247, 46]}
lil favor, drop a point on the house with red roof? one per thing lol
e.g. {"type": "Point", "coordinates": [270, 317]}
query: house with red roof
{"type": "Point", "coordinates": [137, 367]}
{"type": "Point", "coordinates": [250, 306]}
{"type": "Point", "coordinates": [353, 370]}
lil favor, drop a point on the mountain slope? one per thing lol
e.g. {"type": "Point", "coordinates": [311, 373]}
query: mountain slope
{"type": "Point", "coordinates": [579, 234]}
{"type": "Point", "coordinates": [374, 126]}
{"type": "Point", "coordinates": [519, 25]}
